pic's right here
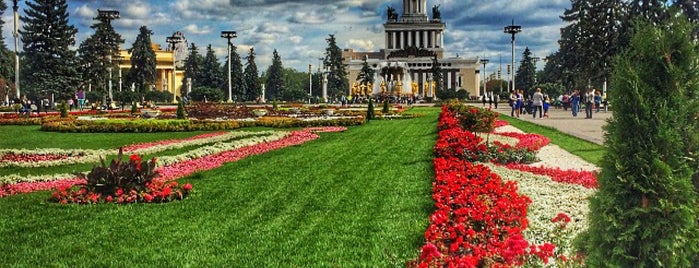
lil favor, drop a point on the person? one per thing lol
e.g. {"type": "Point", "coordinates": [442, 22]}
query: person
{"type": "Point", "coordinates": [80, 95]}
{"type": "Point", "coordinates": [538, 102]}
{"type": "Point", "coordinates": [566, 102]}
{"type": "Point", "coordinates": [513, 102]}
{"type": "Point", "coordinates": [483, 99]}
{"type": "Point", "coordinates": [495, 100]}
{"type": "Point", "coordinates": [70, 104]}
{"type": "Point", "coordinates": [520, 102]}
{"type": "Point", "coordinates": [589, 102]}
{"type": "Point", "coordinates": [575, 102]}
{"type": "Point", "coordinates": [490, 100]}
{"type": "Point", "coordinates": [598, 100]}
{"type": "Point", "coordinates": [547, 103]}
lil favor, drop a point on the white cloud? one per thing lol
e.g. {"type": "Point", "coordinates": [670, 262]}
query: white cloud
{"type": "Point", "coordinates": [361, 44]}
{"type": "Point", "coordinates": [194, 29]}
{"type": "Point", "coordinates": [296, 39]}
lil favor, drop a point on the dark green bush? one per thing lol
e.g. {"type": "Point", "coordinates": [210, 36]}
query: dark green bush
{"type": "Point", "coordinates": [370, 110]}
{"type": "Point", "coordinates": [208, 93]}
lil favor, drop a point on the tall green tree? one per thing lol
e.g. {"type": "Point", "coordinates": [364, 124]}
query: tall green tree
{"type": "Point", "coordinates": [7, 71]}
{"type": "Point", "coordinates": [275, 78]}
{"type": "Point", "coordinates": [237, 85]}
{"type": "Point", "coordinates": [645, 212]}
{"type": "Point", "coordinates": [437, 75]}
{"type": "Point", "coordinates": [690, 8]}
{"type": "Point", "coordinates": [338, 83]}
{"type": "Point", "coordinates": [192, 64]}
{"type": "Point", "coordinates": [366, 74]}
{"type": "Point", "coordinates": [46, 41]}
{"type": "Point", "coordinates": [142, 72]}
{"type": "Point", "coordinates": [654, 11]}
{"type": "Point", "coordinates": [295, 85]}
{"type": "Point", "coordinates": [526, 72]}
{"type": "Point", "coordinates": [211, 73]}
{"type": "Point", "coordinates": [98, 53]}
{"type": "Point", "coordinates": [253, 89]}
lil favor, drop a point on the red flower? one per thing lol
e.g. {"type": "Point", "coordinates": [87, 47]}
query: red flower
{"type": "Point", "coordinates": [134, 158]}
{"type": "Point", "coordinates": [148, 197]}
{"type": "Point", "coordinates": [187, 187]}
{"type": "Point", "coordinates": [109, 199]}
{"type": "Point", "coordinates": [429, 251]}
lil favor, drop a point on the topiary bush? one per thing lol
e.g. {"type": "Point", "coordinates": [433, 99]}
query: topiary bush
{"type": "Point", "coordinates": [180, 110]}
{"type": "Point", "coordinates": [645, 212]}
{"type": "Point", "coordinates": [370, 110]}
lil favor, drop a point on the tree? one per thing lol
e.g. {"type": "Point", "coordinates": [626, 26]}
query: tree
{"type": "Point", "coordinates": [337, 79]}
{"type": "Point", "coordinates": [46, 41]}
{"type": "Point", "coordinates": [295, 85]}
{"type": "Point", "coordinates": [98, 53]}
{"type": "Point", "coordinates": [690, 8]}
{"type": "Point", "coordinates": [437, 75]}
{"type": "Point", "coordinates": [653, 11]}
{"type": "Point", "coordinates": [192, 65]}
{"type": "Point", "coordinates": [275, 78]}
{"type": "Point", "coordinates": [524, 79]}
{"type": "Point", "coordinates": [645, 212]}
{"type": "Point", "coordinates": [253, 90]}
{"type": "Point", "coordinates": [237, 85]}
{"type": "Point", "coordinates": [366, 74]}
{"type": "Point", "coordinates": [211, 73]}
{"type": "Point", "coordinates": [142, 72]}
{"type": "Point", "coordinates": [6, 56]}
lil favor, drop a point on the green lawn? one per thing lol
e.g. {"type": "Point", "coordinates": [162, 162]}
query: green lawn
{"type": "Point", "coordinates": [359, 198]}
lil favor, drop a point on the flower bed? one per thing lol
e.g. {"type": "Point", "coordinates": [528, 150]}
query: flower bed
{"type": "Point", "coordinates": [173, 167]}
{"type": "Point", "coordinates": [481, 220]}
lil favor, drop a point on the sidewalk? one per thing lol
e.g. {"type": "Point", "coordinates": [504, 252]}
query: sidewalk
{"type": "Point", "coordinates": [588, 129]}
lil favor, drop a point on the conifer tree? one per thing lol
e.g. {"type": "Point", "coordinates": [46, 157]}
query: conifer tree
{"type": "Point", "coordinates": [645, 212]}
{"type": "Point", "coordinates": [211, 73]}
{"type": "Point", "coordinates": [237, 85]}
{"type": "Point", "coordinates": [275, 78]}
{"type": "Point", "coordinates": [437, 75]}
{"type": "Point", "coordinates": [366, 74]}
{"type": "Point", "coordinates": [337, 79]}
{"type": "Point", "coordinates": [253, 89]}
{"type": "Point", "coordinates": [192, 64]}
{"type": "Point", "coordinates": [98, 53]}
{"type": "Point", "coordinates": [526, 72]}
{"type": "Point", "coordinates": [7, 71]}
{"type": "Point", "coordinates": [142, 72]}
{"type": "Point", "coordinates": [46, 41]}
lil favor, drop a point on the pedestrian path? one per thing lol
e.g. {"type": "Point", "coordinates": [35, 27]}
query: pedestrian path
{"type": "Point", "coordinates": [562, 120]}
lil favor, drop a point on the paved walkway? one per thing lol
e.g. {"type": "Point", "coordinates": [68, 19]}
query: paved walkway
{"type": "Point", "coordinates": [588, 129]}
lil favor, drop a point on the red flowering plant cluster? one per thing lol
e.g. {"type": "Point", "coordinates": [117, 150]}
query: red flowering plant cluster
{"type": "Point", "coordinates": [479, 218]}
{"type": "Point", "coordinates": [132, 181]}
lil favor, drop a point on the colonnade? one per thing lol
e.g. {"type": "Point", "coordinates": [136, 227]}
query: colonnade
{"type": "Point", "coordinates": [414, 38]}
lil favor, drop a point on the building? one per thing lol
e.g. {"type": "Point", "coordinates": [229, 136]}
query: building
{"type": "Point", "coordinates": [164, 80]}
{"type": "Point", "coordinates": [405, 64]}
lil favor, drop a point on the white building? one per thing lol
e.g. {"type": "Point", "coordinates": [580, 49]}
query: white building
{"type": "Point", "coordinates": [413, 40]}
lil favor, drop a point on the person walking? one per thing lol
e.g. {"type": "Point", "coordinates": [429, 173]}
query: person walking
{"type": "Point", "coordinates": [589, 102]}
{"type": "Point", "coordinates": [513, 103]}
{"type": "Point", "coordinates": [484, 100]}
{"type": "Point", "coordinates": [519, 103]}
{"type": "Point", "coordinates": [495, 100]}
{"type": "Point", "coordinates": [80, 95]}
{"type": "Point", "coordinates": [547, 103]}
{"type": "Point", "coordinates": [538, 103]}
{"type": "Point", "coordinates": [598, 100]}
{"type": "Point", "coordinates": [575, 102]}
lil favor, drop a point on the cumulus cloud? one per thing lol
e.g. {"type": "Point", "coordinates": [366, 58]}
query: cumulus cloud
{"type": "Point", "coordinates": [361, 45]}
{"type": "Point", "coordinates": [195, 29]}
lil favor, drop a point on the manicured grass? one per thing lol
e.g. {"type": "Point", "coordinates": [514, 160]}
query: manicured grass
{"type": "Point", "coordinates": [586, 150]}
{"type": "Point", "coordinates": [361, 198]}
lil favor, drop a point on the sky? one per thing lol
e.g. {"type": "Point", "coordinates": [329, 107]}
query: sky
{"type": "Point", "coordinates": [298, 29]}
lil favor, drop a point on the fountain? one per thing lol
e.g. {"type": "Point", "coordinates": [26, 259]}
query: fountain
{"type": "Point", "coordinates": [391, 75]}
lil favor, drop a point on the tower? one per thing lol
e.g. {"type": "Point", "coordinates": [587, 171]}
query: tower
{"type": "Point", "coordinates": [415, 30]}
{"type": "Point", "coordinates": [414, 11]}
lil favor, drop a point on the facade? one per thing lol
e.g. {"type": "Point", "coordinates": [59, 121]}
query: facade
{"type": "Point", "coordinates": [163, 69]}
{"type": "Point", "coordinates": [412, 43]}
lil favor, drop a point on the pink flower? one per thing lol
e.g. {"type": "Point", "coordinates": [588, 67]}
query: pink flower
{"type": "Point", "coordinates": [429, 251]}
{"type": "Point", "coordinates": [148, 197]}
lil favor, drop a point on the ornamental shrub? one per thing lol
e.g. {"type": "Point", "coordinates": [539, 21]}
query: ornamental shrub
{"type": "Point", "coordinates": [370, 110]}
{"type": "Point", "coordinates": [180, 110]}
{"type": "Point", "coordinates": [645, 212]}
{"type": "Point", "coordinates": [64, 109]}
{"type": "Point", "coordinates": [386, 107]}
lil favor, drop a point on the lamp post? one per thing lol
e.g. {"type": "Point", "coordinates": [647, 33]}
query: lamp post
{"type": "Point", "coordinates": [15, 34]}
{"type": "Point", "coordinates": [173, 41]}
{"type": "Point", "coordinates": [513, 30]}
{"type": "Point", "coordinates": [535, 60]}
{"type": "Point", "coordinates": [485, 85]}
{"type": "Point", "coordinates": [310, 83]}
{"type": "Point", "coordinates": [229, 35]}
{"type": "Point", "coordinates": [107, 16]}
{"type": "Point", "coordinates": [325, 83]}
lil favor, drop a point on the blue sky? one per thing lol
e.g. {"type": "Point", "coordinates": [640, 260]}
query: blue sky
{"type": "Point", "coordinates": [298, 29]}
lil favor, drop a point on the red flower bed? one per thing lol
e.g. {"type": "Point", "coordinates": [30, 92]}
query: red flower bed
{"type": "Point", "coordinates": [10, 157]}
{"type": "Point", "coordinates": [532, 142]}
{"type": "Point", "coordinates": [587, 179]}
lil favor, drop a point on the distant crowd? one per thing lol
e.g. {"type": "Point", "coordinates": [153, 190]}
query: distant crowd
{"type": "Point", "coordinates": [540, 102]}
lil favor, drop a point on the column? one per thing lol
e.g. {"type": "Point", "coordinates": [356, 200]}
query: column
{"type": "Point", "coordinates": [441, 39]}
{"type": "Point", "coordinates": [436, 39]}
{"type": "Point", "coordinates": [432, 44]}
{"type": "Point", "coordinates": [424, 39]}
{"type": "Point", "coordinates": [387, 44]}
{"type": "Point", "coordinates": [393, 40]}
{"type": "Point", "coordinates": [448, 80]}
{"type": "Point", "coordinates": [410, 38]}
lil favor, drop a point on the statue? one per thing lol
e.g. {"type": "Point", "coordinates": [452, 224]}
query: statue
{"type": "Point", "coordinates": [436, 15]}
{"type": "Point", "coordinates": [362, 89]}
{"type": "Point", "coordinates": [354, 88]}
{"type": "Point", "coordinates": [383, 87]}
{"type": "Point", "coordinates": [415, 88]}
{"type": "Point", "coordinates": [399, 87]}
{"type": "Point", "coordinates": [391, 14]}
{"type": "Point", "coordinates": [425, 88]}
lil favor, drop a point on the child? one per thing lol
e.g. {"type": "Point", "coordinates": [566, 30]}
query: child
{"type": "Point", "coordinates": [546, 106]}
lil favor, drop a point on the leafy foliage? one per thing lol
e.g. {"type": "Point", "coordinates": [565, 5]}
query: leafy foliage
{"type": "Point", "coordinates": [645, 212]}
{"type": "Point", "coordinates": [253, 89]}
{"type": "Point", "coordinates": [275, 78]}
{"type": "Point", "coordinates": [366, 74]}
{"type": "Point", "coordinates": [192, 65]}
{"type": "Point", "coordinates": [210, 74]}
{"type": "Point", "coordinates": [98, 53]}
{"type": "Point", "coordinates": [337, 79]}
{"type": "Point", "coordinates": [206, 94]}
{"type": "Point", "coordinates": [526, 72]}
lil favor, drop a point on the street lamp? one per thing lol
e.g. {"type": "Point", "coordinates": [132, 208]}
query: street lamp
{"type": "Point", "coordinates": [173, 41]}
{"type": "Point", "coordinates": [15, 33]}
{"type": "Point", "coordinates": [535, 60]}
{"type": "Point", "coordinates": [107, 16]}
{"type": "Point", "coordinates": [310, 83]}
{"type": "Point", "coordinates": [229, 35]}
{"type": "Point", "coordinates": [485, 85]}
{"type": "Point", "coordinates": [513, 30]}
